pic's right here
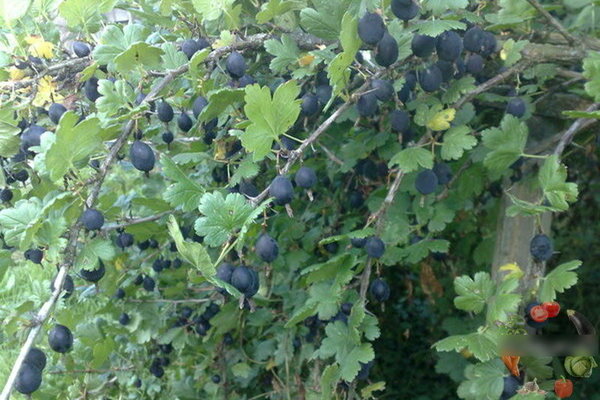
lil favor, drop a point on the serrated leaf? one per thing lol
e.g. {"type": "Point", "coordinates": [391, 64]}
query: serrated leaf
{"type": "Point", "coordinates": [246, 169]}
{"type": "Point", "coordinates": [558, 280]}
{"type": "Point", "coordinates": [412, 158]}
{"type": "Point", "coordinates": [511, 51]}
{"type": "Point", "coordinates": [211, 10]}
{"type": "Point", "coordinates": [436, 27]}
{"type": "Point", "coordinates": [136, 55]}
{"type": "Point", "coordinates": [457, 88]}
{"type": "Point", "coordinates": [506, 144]}
{"type": "Point", "coordinates": [172, 58]}
{"type": "Point", "coordinates": [438, 7]}
{"type": "Point", "coordinates": [553, 180]}
{"type": "Point", "coordinates": [485, 381]}
{"type": "Point", "coordinates": [75, 141]}
{"type": "Point", "coordinates": [338, 69]}
{"type": "Point", "coordinates": [456, 141]}
{"type": "Point", "coordinates": [440, 121]}
{"type": "Point", "coordinates": [184, 193]}
{"type": "Point", "coordinates": [301, 314]}
{"type": "Point", "coordinates": [286, 53]}
{"type": "Point", "coordinates": [218, 102]}
{"type": "Point", "coordinates": [273, 9]}
{"type": "Point", "coordinates": [522, 207]}
{"type": "Point", "coordinates": [324, 20]}
{"type": "Point", "coordinates": [329, 379]}
{"type": "Point", "coordinates": [504, 301]}
{"type": "Point", "coordinates": [473, 293]}
{"type": "Point", "coordinates": [192, 252]}
{"type": "Point", "coordinates": [9, 131]}
{"type": "Point", "coordinates": [222, 217]}
{"type": "Point", "coordinates": [482, 344]}
{"type": "Point", "coordinates": [270, 117]}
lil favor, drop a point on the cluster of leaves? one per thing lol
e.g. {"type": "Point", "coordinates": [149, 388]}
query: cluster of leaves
{"type": "Point", "coordinates": [190, 331]}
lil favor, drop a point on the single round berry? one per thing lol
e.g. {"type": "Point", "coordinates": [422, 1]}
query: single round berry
{"type": "Point", "coordinates": [142, 157]}
{"type": "Point", "coordinates": [426, 182]}
{"type": "Point", "coordinates": [375, 247]}
{"type": "Point", "coordinates": [29, 379]}
{"type": "Point", "coordinates": [310, 105]}
{"type": "Point", "coordinates": [386, 52]}
{"type": "Point", "coordinates": [383, 89]}
{"type": "Point", "coordinates": [36, 358]}
{"type": "Point", "coordinates": [60, 339]}
{"type": "Point", "coordinates": [371, 28]}
{"type": "Point", "coordinates": [235, 65]}
{"type": "Point", "coordinates": [34, 255]}
{"type": "Point", "coordinates": [305, 177]}
{"type": "Point", "coordinates": [358, 243]}
{"type": "Point", "coordinates": [431, 78]}
{"type": "Point", "coordinates": [124, 319]}
{"type": "Point", "coordinates": [216, 378]}
{"type": "Point", "coordinates": [81, 49]}
{"type": "Point", "coordinates": [282, 190]}
{"type": "Point", "coordinates": [541, 248]}
{"type": "Point", "coordinates": [184, 122]}
{"type": "Point", "coordinates": [92, 219]}
{"type": "Point", "coordinates": [168, 137]}
{"type": "Point", "coordinates": [449, 46]}
{"type": "Point", "coordinates": [422, 45]}
{"type": "Point", "coordinates": [267, 248]}
{"type": "Point", "coordinates": [164, 111]}
{"type": "Point", "coordinates": [380, 290]}
{"type": "Point", "coordinates": [55, 111]}
{"type": "Point", "coordinates": [6, 195]}
{"type": "Point", "coordinates": [516, 107]}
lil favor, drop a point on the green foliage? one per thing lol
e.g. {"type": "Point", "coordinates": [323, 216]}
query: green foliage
{"type": "Point", "coordinates": [270, 117]}
{"type": "Point", "coordinates": [300, 321]}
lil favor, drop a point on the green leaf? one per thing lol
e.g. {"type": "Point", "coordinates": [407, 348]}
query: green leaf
{"type": "Point", "coordinates": [93, 250]}
{"type": "Point", "coordinates": [412, 158]}
{"type": "Point", "coordinates": [338, 70]}
{"type": "Point", "coordinates": [75, 141]}
{"type": "Point", "coordinates": [11, 10]}
{"type": "Point", "coordinates": [456, 141]}
{"type": "Point", "coordinates": [246, 169]}
{"type": "Point", "coordinates": [15, 220]}
{"type": "Point", "coordinates": [485, 381]}
{"type": "Point", "coordinates": [473, 293]}
{"type": "Point", "coordinates": [222, 217]}
{"type": "Point", "coordinates": [438, 7]}
{"type": "Point", "coordinates": [172, 58]}
{"type": "Point", "coordinates": [553, 180]}
{"type": "Point", "coordinates": [327, 299]}
{"type": "Point", "coordinates": [85, 14]}
{"type": "Point", "coordinates": [138, 54]}
{"type": "Point", "coordinates": [522, 207]}
{"type": "Point", "coordinates": [301, 314]}
{"type": "Point", "coordinates": [436, 27]}
{"type": "Point", "coordinates": [537, 367]}
{"type": "Point", "coordinates": [117, 97]}
{"type": "Point", "coordinates": [272, 9]}
{"type": "Point", "coordinates": [506, 144]}
{"type": "Point", "coordinates": [558, 280]}
{"type": "Point", "coordinates": [324, 20]}
{"type": "Point", "coordinates": [511, 51]}
{"type": "Point", "coordinates": [241, 370]}
{"type": "Point", "coordinates": [192, 252]}
{"type": "Point", "coordinates": [482, 344]}
{"type": "Point", "coordinates": [184, 193]}
{"type": "Point", "coordinates": [591, 70]}
{"type": "Point", "coordinates": [457, 88]}
{"type": "Point", "coordinates": [286, 53]}
{"type": "Point", "coordinates": [212, 9]}
{"type": "Point", "coordinates": [503, 302]}
{"type": "Point", "coordinates": [218, 102]}
{"type": "Point", "coordinates": [367, 391]}
{"type": "Point", "coordinates": [270, 117]}
{"type": "Point", "coordinates": [344, 344]}
{"type": "Point", "coordinates": [329, 379]}
{"type": "Point", "coordinates": [9, 131]}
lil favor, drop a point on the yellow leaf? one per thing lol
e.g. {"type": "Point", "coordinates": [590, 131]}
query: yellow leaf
{"type": "Point", "coordinates": [46, 93]}
{"type": "Point", "coordinates": [38, 47]}
{"type": "Point", "coordinates": [16, 74]}
{"type": "Point", "coordinates": [441, 120]}
{"type": "Point", "coordinates": [515, 271]}
{"type": "Point", "coordinates": [220, 150]}
{"type": "Point", "coordinates": [306, 60]}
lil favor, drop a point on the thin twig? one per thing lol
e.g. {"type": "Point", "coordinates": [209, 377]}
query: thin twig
{"type": "Point", "coordinates": [91, 371]}
{"type": "Point", "coordinates": [182, 301]}
{"type": "Point", "coordinates": [135, 221]}
{"type": "Point", "coordinates": [567, 137]}
{"type": "Point", "coordinates": [490, 83]}
{"type": "Point", "coordinates": [331, 156]}
{"type": "Point", "coordinates": [554, 22]}
{"type": "Point", "coordinates": [77, 64]}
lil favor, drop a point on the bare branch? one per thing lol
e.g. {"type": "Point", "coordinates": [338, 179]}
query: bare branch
{"type": "Point", "coordinates": [77, 65]}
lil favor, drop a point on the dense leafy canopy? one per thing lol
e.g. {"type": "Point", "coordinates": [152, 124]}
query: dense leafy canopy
{"type": "Point", "coordinates": [283, 199]}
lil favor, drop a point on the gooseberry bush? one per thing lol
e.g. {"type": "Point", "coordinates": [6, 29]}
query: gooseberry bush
{"type": "Point", "coordinates": [213, 199]}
